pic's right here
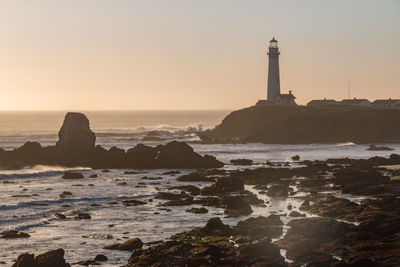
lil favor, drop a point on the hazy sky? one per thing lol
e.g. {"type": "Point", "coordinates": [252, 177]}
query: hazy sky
{"type": "Point", "coordinates": [181, 54]}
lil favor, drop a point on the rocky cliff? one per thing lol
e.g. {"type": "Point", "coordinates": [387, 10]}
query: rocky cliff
{"type": "Point", "coordinates": [305, 125]}
{"type": "Point", "coordinates": [75, 135]}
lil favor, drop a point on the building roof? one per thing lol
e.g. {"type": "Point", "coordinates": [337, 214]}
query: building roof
{"type": "Point", "coordinates": [386, 101]}
{"type": "Point", "coordinates": [322, 102]}
{"type": "Point", "coordinates": [273, 40]}
{"type": "Point", "coordinates": [286, 96]}
{"type": "Point", "coordinates": [354, 101]}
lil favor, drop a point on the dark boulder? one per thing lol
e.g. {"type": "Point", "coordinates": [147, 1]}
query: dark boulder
{"type": "Point", "coordinates": [297, 157]}
{"type": "Point", "coordinates": [14, 234]}
{"type": "Point", "coordinates": [180, 155]}
{"type": "Point", "coordinates": [236, 206]}
{"type": "Point", "coordinates": [215, 226]}
{"type": "Point", "coordinates": [242, 162]}
{"type": "Point", "coordinates": [53, 258]}
{"type": "Point", "coordinates": [72, 175]}
{"type": "Point", "coordinates": [129, 245]}
{"type": "Point", "coordinates": [379, 148]}
{"type": "Point", "coordinates": [278, 190]}
{"type": "Point", "coordinates": [262, 253]}
{"type": "Point", "coordinates": [261, 226]}
{"type": "Point", "coordinates": [197, 210]}
{"type": "Point", "coordinates": [100, 257]}
{"type": "Point", "coordinates": [25, 260]}
{"type": "Point", "coordinates": [224, 185]}
{"type": "Point", "coordinates": [83, 216]}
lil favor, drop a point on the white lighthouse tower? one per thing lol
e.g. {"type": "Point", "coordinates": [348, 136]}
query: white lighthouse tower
{"type": "Point", "coordinates": [274, 87]}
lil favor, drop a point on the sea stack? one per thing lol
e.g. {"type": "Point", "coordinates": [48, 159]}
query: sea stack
{"type": "Point", "coordinates": [75, 136]}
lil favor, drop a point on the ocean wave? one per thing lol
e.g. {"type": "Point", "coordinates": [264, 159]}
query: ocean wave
{"type": "Point", "coordinates": [345, 144]}
{"type": "Point", "coordinates": [39, 170]}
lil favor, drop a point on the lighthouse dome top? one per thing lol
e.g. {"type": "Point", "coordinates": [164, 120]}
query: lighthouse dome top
{"type": "Point", "coordinates": [273, 43]}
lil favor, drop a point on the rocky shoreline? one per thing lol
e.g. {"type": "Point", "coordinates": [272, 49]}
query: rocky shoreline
{"type": "Point", "coordinates": [76, 147]}
{"type": "Point", "coordinates": [349, 216]}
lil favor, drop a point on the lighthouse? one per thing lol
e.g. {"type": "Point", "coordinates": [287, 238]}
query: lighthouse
{"type": "Point", "coordinates": [274, 87]}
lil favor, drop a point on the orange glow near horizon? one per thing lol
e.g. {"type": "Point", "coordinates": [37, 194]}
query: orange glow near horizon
{"type": "Point", "coordinates": [172, 55]}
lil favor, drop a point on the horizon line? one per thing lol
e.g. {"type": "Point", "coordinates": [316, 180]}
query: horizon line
{"type": "Point", "coordinates": [107, 110]}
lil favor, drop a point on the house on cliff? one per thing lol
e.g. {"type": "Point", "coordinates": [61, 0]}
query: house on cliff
{"type": "Point", "coordinates": [322, 102]}
{"type": "Point", "coordinates": [356, 102]}
{"type": "Point", "coordinates": [386, 103]}
{"type": "Point", "coordinates": [285, 99]}
{"type": "Point", "coordinates": [280, 99]}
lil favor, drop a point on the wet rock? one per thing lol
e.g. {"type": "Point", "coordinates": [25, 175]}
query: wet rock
{"type": "Point", "coordinates": [151, 178]}
{"type": "Point", "coordinates": [360, 179]}
{"type": "Point", "coordinates": [208, 246]}
{"type": "Point", "coordinates": [101, 257]}
{"type": "Point", "coordinates": [171, 173]}
{"type": "Point", "coordinates": [61, 216]}
{"type": "Point", "coordinates": [309, 239]}
{"type": "Point", "coordinates": [133, 202]}
{"type": "Point", "coordinates": [54, 258]}
{"type": "Point", "coordinates": [280, 190]}
{"type": "Point", "coordinates": [215, 226]}
{"type": "Point", "coordinates": [72, 175]}
{"type": "Point", "coordinates": [129, 245]}
{"type": "Point", "coordinates": [131, 172]}
{"type": "Point", "coordinates": [312, 184]}
{"type": "Point", "coordinates": [51, 259]}
{"type": "Point", "coordinates": [198, 210]}
{"type": "Point", "coordinates": [12, 234]}
{"type": "Point", "coordinates": [261, 226]}
{"type": "Point", "coordinates": [297, 157]}
{"type": "Point", "coordinates": [88, 262]}
{"type": "Point", "coordinates": [242, 162]}
{"type": "Point", "coordinates": [25, 260]}
{"type": "Point", "coordinates": [236, 206]}
{"type": "Point", "coordinates": [331, 206]}
{"type": "Point", "coordinates": [224, 185]}
{"type": "Point", "coordinates": [296, 214]}
{"type": "Point", "coordinates": [181, 199]}
{"type": "Point", "coordinates": [83, 216]}
{"type": "Point", "coordinates": [379, 148]}
{"type": "Point", "coordinates": [262, 253]}
{"type": "Point", "coordinates": [65, 193]}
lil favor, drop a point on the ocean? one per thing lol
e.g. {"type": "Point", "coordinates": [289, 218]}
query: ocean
{"type": "Point", "coordinates": [30, 198]}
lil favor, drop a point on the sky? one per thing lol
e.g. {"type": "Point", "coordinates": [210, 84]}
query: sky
{"type": "Point", "coordinates": [193, 55]}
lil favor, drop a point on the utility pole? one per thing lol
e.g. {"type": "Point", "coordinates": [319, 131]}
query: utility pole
{"type": "Point", "coordinates": [348, 90]}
